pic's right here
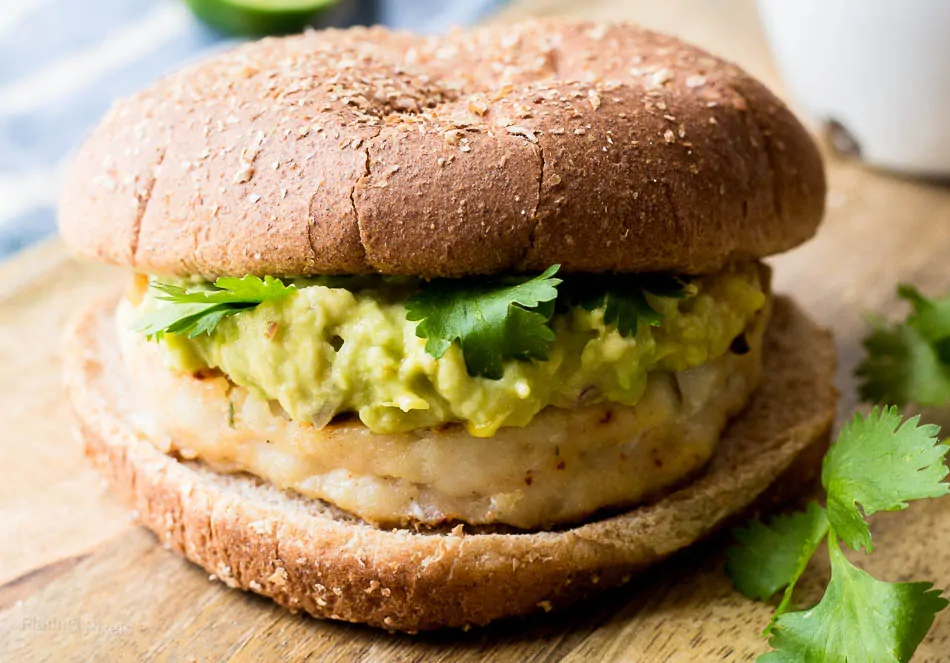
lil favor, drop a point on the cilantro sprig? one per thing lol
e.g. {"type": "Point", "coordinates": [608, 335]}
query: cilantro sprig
{"type": "Point", "coordinates": [198, 310]}
{"type": "Point", "coordinates": [491, 320]}
{"type": "Point", "coordinates": [909, 362]}
{"type": "Point", "coordinates": [878, 463]}
{"type": "Point", "coordinates": [623, 297]}
{"type": "Point", "coordinates": [858, 619]}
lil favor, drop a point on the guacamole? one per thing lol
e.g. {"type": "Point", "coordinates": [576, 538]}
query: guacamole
{"type": "Point", "coordinates": [326, 350]}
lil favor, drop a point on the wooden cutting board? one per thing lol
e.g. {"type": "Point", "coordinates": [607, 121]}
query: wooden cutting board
{"type": "Point", "coordinates": [79, 582]}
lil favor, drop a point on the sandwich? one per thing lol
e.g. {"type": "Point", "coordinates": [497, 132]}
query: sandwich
{"type": "Point", "coordinates": [425, 332]}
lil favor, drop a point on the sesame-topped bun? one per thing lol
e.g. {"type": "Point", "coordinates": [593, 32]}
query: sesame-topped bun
{"type": "Point", "coordinates": [502, 149]}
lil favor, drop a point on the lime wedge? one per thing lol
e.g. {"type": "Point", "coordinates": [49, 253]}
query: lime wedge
{"type": "Point", "coordinates": [264, 17]}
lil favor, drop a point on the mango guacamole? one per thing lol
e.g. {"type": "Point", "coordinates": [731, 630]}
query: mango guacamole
{"type": "Point", "coordinates": [326, 350]}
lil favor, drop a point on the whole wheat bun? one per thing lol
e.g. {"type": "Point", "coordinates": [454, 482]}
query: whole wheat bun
{"type": "Point", "coordinates": [508, 148]}
{"type": "Point", "coordinates": [309, 556]}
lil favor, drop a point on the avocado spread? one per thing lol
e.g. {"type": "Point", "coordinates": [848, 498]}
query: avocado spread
{"type": "Point", "coordinates": [326, 350]}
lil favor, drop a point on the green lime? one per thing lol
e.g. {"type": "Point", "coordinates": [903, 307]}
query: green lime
{"type": "Point", "coordinates": [264, 17]}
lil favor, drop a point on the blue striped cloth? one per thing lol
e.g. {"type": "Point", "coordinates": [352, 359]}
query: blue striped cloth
{"type": "Point", "coordinates": [62, 62]}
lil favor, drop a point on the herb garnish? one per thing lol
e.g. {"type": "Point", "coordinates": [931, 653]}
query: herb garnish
{"type": "Point", "coordinates": [909, 362]}
{"type": "Point", "coordinates": [492, 319]}
{"type": "Point", "coordinates": [878, 463]}
{"type": "Point", "coordinates": [198, 310]}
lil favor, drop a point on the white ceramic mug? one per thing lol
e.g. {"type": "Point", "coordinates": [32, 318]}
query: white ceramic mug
{"type": "Point", "coordinates": [877, 71]}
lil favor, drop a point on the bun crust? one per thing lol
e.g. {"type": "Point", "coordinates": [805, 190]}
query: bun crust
{"type": "Point", "coordinates": [309, 556]}
{"type": "Point", "coordinates": [508, 148]}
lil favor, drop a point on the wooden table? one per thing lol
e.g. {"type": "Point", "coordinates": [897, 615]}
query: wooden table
{"type": "Point", "coordinates": [79, 582]}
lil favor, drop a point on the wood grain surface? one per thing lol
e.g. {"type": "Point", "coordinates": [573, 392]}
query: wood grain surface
{"type": "Point", "coordinates": [78, 582]}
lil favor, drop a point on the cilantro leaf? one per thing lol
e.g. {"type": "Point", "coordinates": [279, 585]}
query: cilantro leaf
{"type": "Point", "coordinates": [909, 362]}
{"type": "Point", "coordinates": [626, 310]}
{"type": "Point", "coordinates": [931, 316]}
{"type": "Point", "coordinates": [227, 290]}
{"type": "Point", "coordinates": [492, 320]}
{"type": "Point", "coordinates": [858, 619]}
{"type": "Point", "coordinates": [879, 463]}
{"type": "Point", "coordinates": [770, 557]}
{"type": "Point", "coordinates": [623, 297]}
{"type": "Point", "coordinates": [198, 310]}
